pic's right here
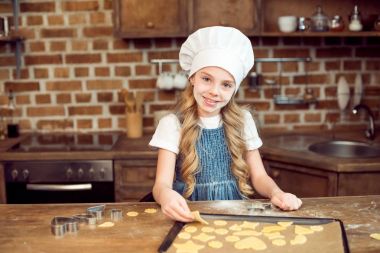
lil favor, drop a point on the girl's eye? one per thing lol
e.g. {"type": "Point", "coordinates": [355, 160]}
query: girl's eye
{"type": "Point", "coordinates": [205, 78]}
{"type": "Point", "coordinates": [227, 85]}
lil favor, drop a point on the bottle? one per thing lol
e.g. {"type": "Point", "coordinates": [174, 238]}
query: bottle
{"type": "Point", "coordinates": [355, 20]}
{"type": "Point", "coordinates": [12, 126]}
{"type": "Point", "coordinates": [337, 24]}
{"type": "Point", "coordinates": [376, 24]}
{"type": "Point", "coordinates": [319, 21]}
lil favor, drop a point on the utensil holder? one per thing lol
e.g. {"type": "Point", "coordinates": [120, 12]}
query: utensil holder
{"type": "Point", "coordinates": [134, 124]}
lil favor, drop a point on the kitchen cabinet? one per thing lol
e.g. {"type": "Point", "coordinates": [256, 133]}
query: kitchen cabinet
{"type": "Point", "coordinates": [3, 198]}
{"type": "Point", "coordinates": [134, 178]}
{"type": "Point", "coordinates": [305, 181]}
{"type": "Point", "coordinates": [178, 18]}
{"type": "Point", "coordinates": [240, 14]}
{"type": "Point", "coordinates": [150, 18]}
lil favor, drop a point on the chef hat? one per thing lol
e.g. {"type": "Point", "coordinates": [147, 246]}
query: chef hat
{"type": "Point", "coordinates": [224, 47]}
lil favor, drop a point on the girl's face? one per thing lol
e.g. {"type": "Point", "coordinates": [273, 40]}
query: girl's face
{"type": "Point", "coordinates": [213, 89]}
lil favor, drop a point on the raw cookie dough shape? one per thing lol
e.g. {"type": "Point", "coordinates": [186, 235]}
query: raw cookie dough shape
{"type": "Point", "coordinates": [204, 237]}
{"type": "Point", "coordinates": [247, 233]}
{"type": "Point", "coordinates": [207, 229]}
{"type": "Point", "coordinates": [316, 228]}
{"type": "Point", "coordinates": [150, 210]}
{"type": "Point", "coordinates": [220, 222]}
{"type": "Point", "coordinates": [132, 214]}
{"type": "Point", "coordinates": [184, 235]}
{"type": "Point", "coordinates": [221, 231]}
{"type": "Point", "coordinates": [197, 217]}
{"type": "Point", "coordinates": [250, 225]}
{"type": "Point", "coordinates": [299, 239]}
{"type": "Point", "coordinates": [275, 235]}
{"type": "Point", "coordinates": [375, 236]}
{"type": "Point", "coordinates": [285, 223]}
{"type": "Point", "coordinates": [251, 243]}
{"type": "Point", "coordinates": [188, 247]}
{"type": "Point", "coordinates": [235, 227]}
{"type": "Point", "coordinates": [272, 229]}
{"type": "Point", "coordinates": [215, 244]}
{"type": "Point", "coordinates": [300, 230]}
{"type": "Point", "coordinates": [279, 242]}
{"type": "Point", "coordinates": [190, 229]}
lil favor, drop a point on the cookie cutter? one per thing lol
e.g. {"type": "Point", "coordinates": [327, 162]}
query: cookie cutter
{"type": "Point", "coordinates": [116, 214]}
{"type": "Point", "coordinates": [97, 211]}
{"type": "Point", "coordinates": [88, 219]}
{"type": "Point", "coordinates": [61, 225]}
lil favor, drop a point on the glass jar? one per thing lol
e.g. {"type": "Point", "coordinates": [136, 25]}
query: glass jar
{"type": "Point", "coordinates": [376, 24]}
{"type": "Point", "coordinates": [319, 21]}
{"type": "Point", "coordinates": [355, 20]}
{"type": "Point", "coordinates": [337, 24]}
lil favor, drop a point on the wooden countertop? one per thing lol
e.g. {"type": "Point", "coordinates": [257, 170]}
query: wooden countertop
{"type": "Point", "coordinates": [26, 228]}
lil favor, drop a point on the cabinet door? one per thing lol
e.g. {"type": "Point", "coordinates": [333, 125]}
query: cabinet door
{"type": "Point", "coordinates": [134, 179]}
{"type": "Point", "coordinates": [241, 14]}
{"type": "Point", "coordinates": [150, 18]}
{"type": "Point", "coordinates": [363, 183]}
{"type": "Point", "coordinates": [302, 181]}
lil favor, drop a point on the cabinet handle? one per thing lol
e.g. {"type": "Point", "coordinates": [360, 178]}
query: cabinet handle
{"type": "Point", "coordinates": [275, 173]}
{"type": "Point", "coordinates": [150, 25]}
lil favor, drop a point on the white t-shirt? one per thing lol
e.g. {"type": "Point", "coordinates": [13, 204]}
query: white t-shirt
{"type": "Point", "coordinates": [167, 134]}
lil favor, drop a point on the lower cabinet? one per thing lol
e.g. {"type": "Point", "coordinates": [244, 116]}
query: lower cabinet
{"type": "Point", "coordinates": [313, 182]}
{"type": "Point", "coordinates": [133, 178]}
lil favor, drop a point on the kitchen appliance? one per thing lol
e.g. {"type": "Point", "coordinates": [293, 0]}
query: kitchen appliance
{"type": "Point", "coordinates": [61, 181]}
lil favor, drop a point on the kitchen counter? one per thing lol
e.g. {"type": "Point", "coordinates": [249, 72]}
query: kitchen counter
{"type": "Point", "coordinates": [26, 228]}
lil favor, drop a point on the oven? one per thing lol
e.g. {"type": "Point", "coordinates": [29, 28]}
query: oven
{"type": "Point", "coordinates": [84, 181]}
{"type": "Point", "coordinates": [54, 180]}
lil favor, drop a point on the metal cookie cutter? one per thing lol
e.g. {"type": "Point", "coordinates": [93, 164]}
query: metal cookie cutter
{"type": "Point", "coordinates": [116, 214]}
{"type": "Point", "coordinates": [97, 211]}
{"type": "Point", "coordinates": [62, 225]}
{"type": "Point", "coordinates": [88, 219]}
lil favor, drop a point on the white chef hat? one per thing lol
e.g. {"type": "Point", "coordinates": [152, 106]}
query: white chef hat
{"type": "Point", "coordinates": [218, 46]}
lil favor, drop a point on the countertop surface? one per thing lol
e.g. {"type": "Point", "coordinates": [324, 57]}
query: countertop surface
{"type": "Point", "coordinates": [26, 228]}
{"type": "Point", "coordinates": [287, 147]}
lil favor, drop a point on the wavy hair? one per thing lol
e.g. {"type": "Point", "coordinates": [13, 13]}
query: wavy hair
{"type": "Point", "coordinates": [233, 122]}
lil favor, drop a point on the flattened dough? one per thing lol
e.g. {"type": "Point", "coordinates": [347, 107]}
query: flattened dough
{"type": "Point", "coordinates": [300, 230]}
{"type": "Point", "coordinates": [204, 237]}
{"type": "Point", "coordinates": [190, 229]}
{"type": "Point", "coordinates": [317, 228]}
{"type": "Point", "coordinates": [184, 235]}
{"type": "Point", "coordinates": [279, 242]}
{"type": "Point", "coordinates": [208, 229]}
{"type": "Point", "coordinates": [215, 244]}
{"type": "Point", "coordinates": [150, 210]}
{"type": "Point", "coordinates": [221, 231]}
{"type": "Point", "coordinates": [249, 224]}
{"type": "Point", "coordinates": [285, 223]}
{"type": "Point", "coordinates": [188, 247]}
{"type": "Point", "coordinates": [247, 232]}
{"type": "Point", "coordinates": [232, 238]}
{"type": "Point", "coordinates": [272, 229]}
{"type": "Point", "coordinates": [250, 243]}
{"type": "Point", "coordinates": [132, 214]}
{"type": "Point", "coordinates": [299, 239]}
{"type": "Point", "coordinates": [197, 217]}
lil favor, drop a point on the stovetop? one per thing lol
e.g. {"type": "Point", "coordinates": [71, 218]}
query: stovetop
{"type": "Point", "coordinates": [55, 142]}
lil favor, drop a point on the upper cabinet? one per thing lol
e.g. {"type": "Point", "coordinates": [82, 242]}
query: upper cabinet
{"type": "Point", "coordinates": [236, 13]}
{"type": "Point", "coordinates": [178, 18]}
{"type": "Point", "coordinates": [150, 18]}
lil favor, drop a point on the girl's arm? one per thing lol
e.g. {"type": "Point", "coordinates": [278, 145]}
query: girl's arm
{"type": "Point", "coordinates": [172, 203]}
{"type": "Point", "coordinates": [266, 186]}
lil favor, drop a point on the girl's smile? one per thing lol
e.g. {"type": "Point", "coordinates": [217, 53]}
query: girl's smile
{"type": "Point", "coordinates": [213, 89]}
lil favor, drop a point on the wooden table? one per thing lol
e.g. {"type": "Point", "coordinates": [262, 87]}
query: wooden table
{"type": "Point", "coordinates": [26, 228]}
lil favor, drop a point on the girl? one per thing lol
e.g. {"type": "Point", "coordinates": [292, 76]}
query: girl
{"type": "Point", "coordinates": [208, 150]}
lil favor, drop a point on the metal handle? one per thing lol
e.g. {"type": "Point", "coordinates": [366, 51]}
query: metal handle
{"type": "Point", "coordinates": [58, 187]}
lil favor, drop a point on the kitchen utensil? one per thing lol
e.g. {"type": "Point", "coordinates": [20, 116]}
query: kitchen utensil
{"type": "Point", "coordinates": [88, 219]}
{"type": "Point", "coordinates": [337, 24]}
{"type": "Point", "coordinates": [319, 21]}
{"type": "Point", "coordinates": [303, 24]}
{"type": "Point", "coordinates": [180, 81]}
{"type": "Point", "coordinates": [61, 225]}
{"type": "Point", "coordinates": [287, 24]}
{"type": "Point", "coordinates": [165, 81]}
{"type": "Point", "coordinates": [139, 101]}
{"type": "Point", "coordinates": [343, 93]}
{"type": "Point", "coordinates": [134, 124]}
{"type": "Point", "coordinates": [358, 90]}
{"type": "Point", "coordinates": [97, 211]}
{"type": "Point", "coordinates": [116, 214]}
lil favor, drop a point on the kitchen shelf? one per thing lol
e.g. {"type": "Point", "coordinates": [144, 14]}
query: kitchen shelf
{"type": "Point", "coordinates": [320, 34]}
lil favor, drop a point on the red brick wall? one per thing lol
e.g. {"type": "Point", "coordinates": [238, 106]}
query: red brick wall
{"type": "Point", "coordinates": [73, 68]}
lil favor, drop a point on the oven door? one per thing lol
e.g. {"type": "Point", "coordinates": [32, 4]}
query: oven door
{"type": "Point", "coordinates": [92, 192]}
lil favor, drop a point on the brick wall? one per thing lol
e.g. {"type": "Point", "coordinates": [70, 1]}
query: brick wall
{"type": "Point", "coordinates": [73, 69]}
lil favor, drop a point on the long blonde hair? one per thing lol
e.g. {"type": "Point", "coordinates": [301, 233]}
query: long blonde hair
{"type": "Point", "coordinates": [233, 123]}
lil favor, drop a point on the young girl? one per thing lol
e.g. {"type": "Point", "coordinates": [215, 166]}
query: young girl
{"type": "Point", "coordinates": [208, 150]}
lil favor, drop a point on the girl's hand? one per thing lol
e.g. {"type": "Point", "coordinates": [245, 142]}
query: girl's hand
{"type": "Point", "coordinates": [286, 201]}
{"type": "Point", "coordinates": [175, 207]}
